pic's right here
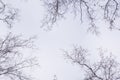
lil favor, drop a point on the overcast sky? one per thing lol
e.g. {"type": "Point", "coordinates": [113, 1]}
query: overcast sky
{"type": "Point", "coordinates": [62, 36]}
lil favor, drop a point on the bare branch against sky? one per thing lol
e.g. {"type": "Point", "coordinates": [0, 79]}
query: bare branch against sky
{"type": "Point", "coordinates": [7, 14]}
{"type": "Point", "coordinates": [105, 68]}
{"type": "Point", "coordinates": [13, 64]}
{"type": "Point", "coordinates": [94, 10]}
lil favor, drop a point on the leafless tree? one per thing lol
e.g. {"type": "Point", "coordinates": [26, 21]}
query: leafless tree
{"type": "Point", "coordinates": [12, 63]}
{"type": "Point", "coordinates": [105, 68]}
{"type": "Point", "coordinates": [94, 10]}
{"type": "Point", "coordinates": [7, 14]}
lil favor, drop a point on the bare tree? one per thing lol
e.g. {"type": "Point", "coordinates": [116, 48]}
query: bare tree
{"type": "Point", "coordinates": [94, 10]}
{"type": "Point", "coordinates": [107, 68]}
{"type": "Point", "coordinates": [7, 14]}
{"type": "Point", "coordinates": [11, 62]}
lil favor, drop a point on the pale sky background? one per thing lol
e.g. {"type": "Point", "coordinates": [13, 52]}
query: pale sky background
{"type": "Point", "coordinates": [62, 36]}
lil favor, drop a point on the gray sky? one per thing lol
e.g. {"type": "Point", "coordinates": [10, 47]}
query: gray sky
{"type": "Point", "coordinates": [62, 36]}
